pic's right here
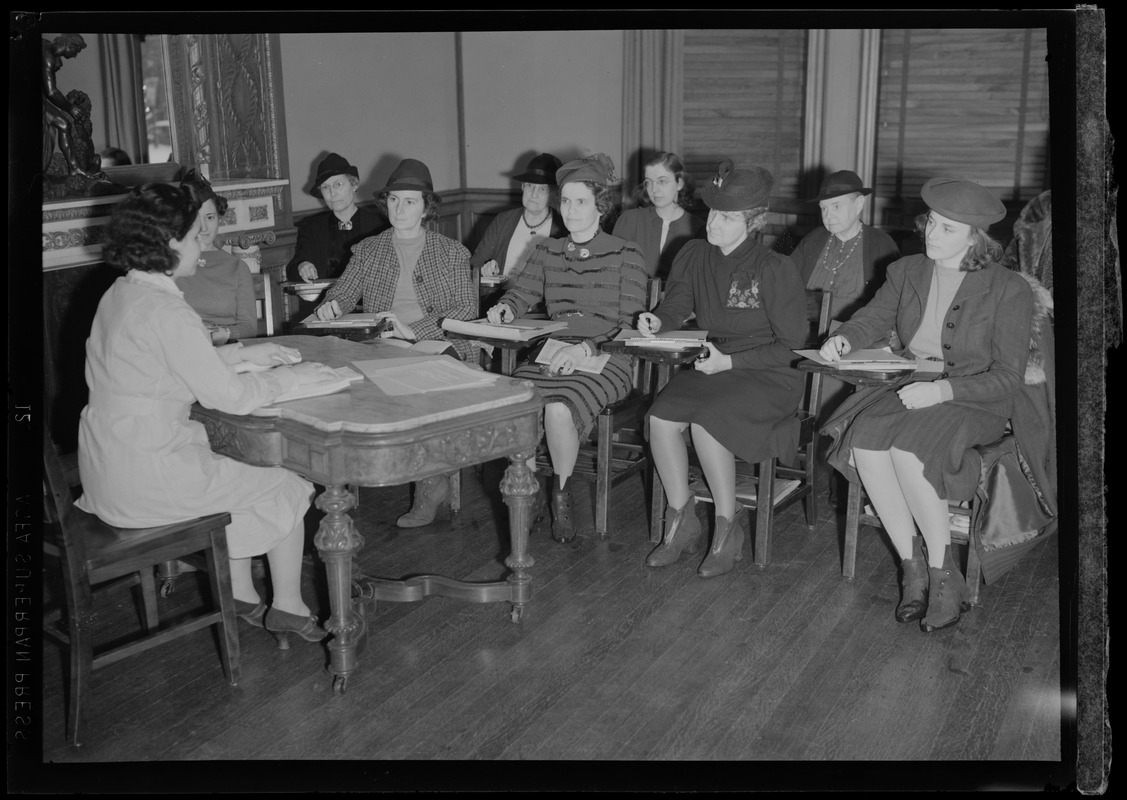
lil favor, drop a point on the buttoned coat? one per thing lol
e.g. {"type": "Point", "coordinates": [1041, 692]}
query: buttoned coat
{"type": "Point", "coordinates": [985, 333]}
{"type": "Point", "coordinates": [441, 280]}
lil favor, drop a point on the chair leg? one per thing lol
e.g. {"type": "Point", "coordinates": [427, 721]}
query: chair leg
{"type": "Point", "coordinates": [149, 599]}
{"type": "Point", "coordinates": [81, 657]}
{"type": "Point", "coordinates": [219, 575]}
{"type": "Point", "coordinates": [852, 523]}
{"type": "Point", "coordinates": [602, 473]}
{"type": "Point", "coordinates": [974, 573]}
{"type": "Point", "coordinates": [765, 512]}
{"type": "Point", "coordinates": [455, 498]}
{"type": "Point", "coordinates": [810, 502]}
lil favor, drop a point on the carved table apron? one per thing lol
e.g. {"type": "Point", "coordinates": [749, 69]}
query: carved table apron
{"type": "Point", "coordinates": [363, 437]}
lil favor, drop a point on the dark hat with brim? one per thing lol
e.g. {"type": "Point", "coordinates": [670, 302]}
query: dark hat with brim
{"type": "Point", "coordinates": [410, 175]}
{"type": "Point", "coordinates": [963, 201]}
{"type": "Point", "coordinates": [331, 166]}
{"type": "Point", "coordinates": [839, 183]}
{"type": "Point", "coordinates": [737, 189]}
{"type": "Point", "coordinates": [541, 169]}
{"type": "Point", "coordinates": [597, 168]}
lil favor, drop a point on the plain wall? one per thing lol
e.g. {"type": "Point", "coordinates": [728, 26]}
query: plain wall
{"type": "Point", "coordinates": [378, 97]}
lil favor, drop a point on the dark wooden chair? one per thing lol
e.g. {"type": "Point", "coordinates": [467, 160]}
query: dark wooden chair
{"type": "Point", "coordinates": [93, 555]}
{"type": "Point", "coordinates": [766, 474]}
{"type": "Point", "coordinates": [267, 304]}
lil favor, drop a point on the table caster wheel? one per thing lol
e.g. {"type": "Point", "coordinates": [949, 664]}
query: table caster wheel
{"type": "Point", "coordinates": [167, 587]}
{"type": "Point", "coordinates": [516, 614]}
{"type": "Point", "coordinates": [340, 683]}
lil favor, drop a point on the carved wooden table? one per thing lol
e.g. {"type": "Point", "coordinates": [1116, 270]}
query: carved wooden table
{"type": "Point", "coordinates": [364, 437]}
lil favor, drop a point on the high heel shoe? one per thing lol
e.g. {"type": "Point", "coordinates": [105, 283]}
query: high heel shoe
{"type": "Point", "coordinates": [563, 526]}
{"type": "Point", "coordinates": [683, 534]}
{"type": "Point", "coordinates": [727, 545]}
{"type": "Point", "coordinates": [282, 623]}
{"type": "Point", "coordinates": [250, 612]}
{"type": "Point", "coordinates": [946, 596]}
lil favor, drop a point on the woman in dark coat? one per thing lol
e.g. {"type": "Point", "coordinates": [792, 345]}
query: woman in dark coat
{"type": "Point", "coordinates": [741, 399]}
{"type": "Point", "coordinates": [910, 446]}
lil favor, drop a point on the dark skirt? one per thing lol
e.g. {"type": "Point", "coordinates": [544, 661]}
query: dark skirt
{"type": "Point", "coordinates": [585, 395]}
{"type": "Point", "coordinates": [942, 436]}
{"type": "Point", "coordinates": [749, 411]}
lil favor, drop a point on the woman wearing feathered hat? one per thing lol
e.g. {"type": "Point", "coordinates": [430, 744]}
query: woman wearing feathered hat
{"type": "Point", "coordinates": [419, 275]}
{"type": "Point", "coordinates": [740, 399]}
{"type": "Point", "coordinates": [597, 283]}
{"type": "Point", "coordinates": [911, 446]}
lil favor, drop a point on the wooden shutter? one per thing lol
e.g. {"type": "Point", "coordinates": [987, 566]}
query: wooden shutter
{"type": "Point", "coordinates": [744, 100]}
{"type": "Point", "coordinates": [963, 102]}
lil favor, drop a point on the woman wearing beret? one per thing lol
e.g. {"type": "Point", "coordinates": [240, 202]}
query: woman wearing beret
{"type": "Point", "coordinates": [597, 283]}
{"type": "Point", "coordinates": [911, 445]}
{"type": "Point", "coordinates": [222, 289]}
{"type": "Point", "coordinates": [419, 275]}
{"type": "Point", "coordinates": [142, 461]}
{"type": "Point", "coordinates": [741, 399]}
{"type": "Point", "coordinates": [512, 236]}
{"type": "Point", "coordinates": [661, 225]}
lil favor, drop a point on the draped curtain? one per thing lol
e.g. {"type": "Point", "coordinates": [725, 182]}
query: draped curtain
{"type": "Point", "coordinates": [122, 86]}
{"type": "Point", "coordinates": [651, 98]}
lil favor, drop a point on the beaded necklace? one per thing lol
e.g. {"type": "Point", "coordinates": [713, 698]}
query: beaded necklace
{"type": "Point", "coordinates": [540, 224]}
{"type": "Point", "coordinates": [826, 257]}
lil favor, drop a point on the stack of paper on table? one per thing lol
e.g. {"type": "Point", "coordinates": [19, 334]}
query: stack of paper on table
{"type": "Point", "coordinates": [343, 377]}
{"type": "Point", "coordinates": [591, 364]}
{"type": "Point", "coordinates": [521, 330]}
{"type": "Point", "coordinates": [745, 491]}
{"type": "Point", "coordinates": [674, 340]}
{"type": "Point", "coordinates": [873, 360]}
{"type": "Point", "coordinates": [400, 376]}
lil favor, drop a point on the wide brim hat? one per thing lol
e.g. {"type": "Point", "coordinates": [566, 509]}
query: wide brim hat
{"type": "Point", "coordinates": [737, 189]}
{"type": "Point", "coordinates": [330, 166]}
{"type": "Point", "coordinates": [839, 183]}
{"type": "Point", "coordinates": [411, 174]}
{"type": "Point", "coordinates": [597, 168]}
{"type": "Point", "coordinates": [963, 201]}
{"type": "Point", "coordinates": [541, 169]}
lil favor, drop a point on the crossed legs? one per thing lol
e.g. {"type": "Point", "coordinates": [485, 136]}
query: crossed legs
{"type": "Point", "coordinates": [285, 574]}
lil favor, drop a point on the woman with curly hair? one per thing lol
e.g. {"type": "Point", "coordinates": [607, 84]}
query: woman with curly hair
{"type": "Point", "coordinates": [662, 224]}
{"type": "Point", "coordinates": [222, 289]}
{"type": "Point", "coordinates": [597, 283]}
{"type": "Point", "coordinates": [910, 445]}
{"type": "Point", "coordinates": [149, 357]}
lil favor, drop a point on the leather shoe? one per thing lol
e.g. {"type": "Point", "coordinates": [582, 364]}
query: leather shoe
{"type": "Point", "coordinates": [683, 534]}
{"type": "Point", "coordinates": [430, 495]}
{"type": "Point", "coordinates": [282, 623]}
{"type": "Point", "coordinates": [250, 612]}
{"type": "Point", "coordinates": [727, 545]}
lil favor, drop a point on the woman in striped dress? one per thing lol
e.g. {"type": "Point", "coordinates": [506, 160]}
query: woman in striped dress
{"type": "Point", "coordinates": [597, 283]}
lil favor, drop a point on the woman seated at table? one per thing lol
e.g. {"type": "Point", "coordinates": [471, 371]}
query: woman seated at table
{"type": "Point", "coordinates": [419, 275]}
{"type": "Point", "coordinates": [661, 225]}
{"type": "Point", "coordinates": [222, 289]}
{"type": "Point", "coordinates": [142, 461]}
{"type": "Point", "coordinates": [740, 399]}
{"type": "Point", "coordinates": [512, 236]}
{"type": "Point", "coordinates": [597, 283]}
{"type": "Point", "coordinates": [911, 445]}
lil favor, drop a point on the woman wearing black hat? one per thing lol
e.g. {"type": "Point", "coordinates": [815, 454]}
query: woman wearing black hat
{"type": "Point", "coordinates": [740, 399]}
{"type": "Point", "coordinates": [662, 224]}
{"type": "Point", "coordinates": [419, 275]}
{"type": "Point", "coordinates": [325, 240]}
{"type": "Point", "coordinates": [596, 283]}
{"type": "Point", "coordinates": [512, 236]}
{"type": "Point", "coordinates": [911, 446]}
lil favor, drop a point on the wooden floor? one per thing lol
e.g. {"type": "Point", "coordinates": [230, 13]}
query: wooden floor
{"type": "Point", "coordinates": [612, 661]}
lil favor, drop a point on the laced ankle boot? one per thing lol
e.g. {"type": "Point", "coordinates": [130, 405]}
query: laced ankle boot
{"type": "Point", "coordinates": [727, 545]}
{"type": "Point", "coordinates": [563, 524]}
{"type": "Point", "coordinates": [683, 534]}
{"type": "Point", "coordinates": [947, 595]}
{"type": "Point", "coordinates": [913, 584]}
{"type": "Point", "coordinates": [430, 494]}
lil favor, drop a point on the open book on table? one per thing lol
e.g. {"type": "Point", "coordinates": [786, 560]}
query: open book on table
{"type": "Point", "coordinates": [416, 375]}
{"type": "Point", "coordinates": [674, 340]}
{"type": "Point", "coordinates": [520, 330]}
{"type": "Point", "coordinates": [591, 364]}
{"type": "Point", "coordinates": [876, 360]}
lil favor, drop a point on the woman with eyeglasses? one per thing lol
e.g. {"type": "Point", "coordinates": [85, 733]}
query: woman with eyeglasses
{"type": "Point", "coordinates": [512, 236]}
{"type": "Point", "coordinates": [662, 224]}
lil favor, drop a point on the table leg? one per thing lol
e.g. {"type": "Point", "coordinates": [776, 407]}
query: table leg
{"type": "Point", "coordinates": [336, 541]}
{"type": "Point", "coordinates": [518, 489]}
